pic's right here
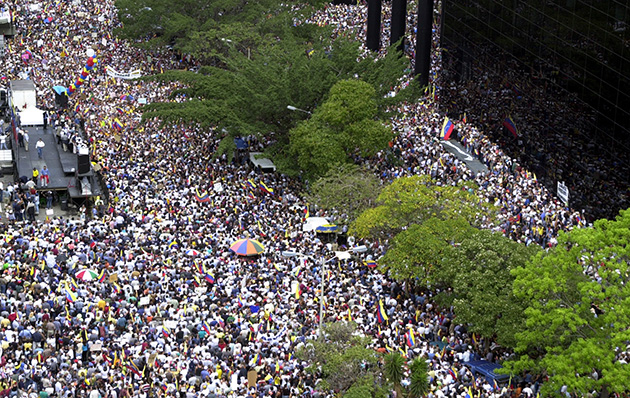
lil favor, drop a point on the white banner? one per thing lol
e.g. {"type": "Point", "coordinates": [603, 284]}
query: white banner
{"type": "Point", "coordinates": [134, 74]}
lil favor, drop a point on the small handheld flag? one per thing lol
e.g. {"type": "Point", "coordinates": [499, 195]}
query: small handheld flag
{"type": "Point", "coordinates": [411, 340]}
{"type": "Point", "coordinates": [381, 315]}
{"type": "Point", "coordinates": [206, 327]}
{"type": "Point", "coordinates": [265, 188]}
{"type": "Point", "coordinates": [203, 198]}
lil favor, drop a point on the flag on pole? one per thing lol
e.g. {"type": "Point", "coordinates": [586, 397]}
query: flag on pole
{"type": "Point", "coordinates": [203, 198]}
{"type": "Point", "coordinates": [265, 188]}
{"type": "Point", "coordinates": [447, 129]}
{"type": "Point", "coordinates": [206, 327]}
{"type": "Point", "coordinates": [509, 124]}
{"type": "Point", "coordinates": [411, 340]}
{"type": "Point", "coordinates": [381, 315]}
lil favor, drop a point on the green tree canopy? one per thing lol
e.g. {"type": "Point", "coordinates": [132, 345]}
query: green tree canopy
{"type": "Point", "coordinates": [254, 60]}
{"type": "Point", "coordinates": [347, 189]}
{"type": "Point", "coordinates": [343, 361]}
{"type": "Point", "coordinates": [343, 125]}
{"type": "Point", "coordinates": [420, 250]}
{"type": "Point", "coordinates": [477, 273]}
{"type": "Point", "coordinates": [577, 315]}
{"type": "Point", "coordinates": [413, 200]}
{"type": "Point", "coordinates": [394, 371]}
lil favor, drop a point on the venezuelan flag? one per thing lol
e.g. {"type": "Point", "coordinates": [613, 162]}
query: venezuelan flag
{"type": "Point", "coordinates": [381, 315]}
{"type": "Point", "coordinates": [509, 124]}
{"type": "Point", "coordinates": [117, 124]}
{"type": "Point", "coordinates": [199, 266]}
{"type": "Point", "coordinates": [447, 129]}
{"type": "Point", "coordinates": [298, 293]}
{"type": "Point", "coordinates": [452, 372]}
{"type": "Point", "coordinates": [203, 198]}
{"type": "Point", "coordinates": [101, 277]}
{"type": "Point", "coordinates": [165, 331]}
{"type": "Point", "coordinates": [370, 264]}
{"type": "Point", "coordinates": [206, 327]}
{"type": "Point", "coordinates": [255, 360]}
{"type": "Point", "coordinates": [209, 278]}
{"type": "Point", "coordinates": [265, 188]}
{"type": "Point", "coordinates": [411, 340]}
{"type": "Point", "coordinates": [70, 295]}
{"type": "Point", "coordinates": [134, 368]}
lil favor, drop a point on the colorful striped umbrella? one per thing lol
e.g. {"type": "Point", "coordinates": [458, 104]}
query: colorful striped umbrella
{"type": "Point", "coordinates": [247, 247]}
{"type": "Point", "coordinates": [86, 275]}
{"type": "Point", "coordinates": [192, 252]}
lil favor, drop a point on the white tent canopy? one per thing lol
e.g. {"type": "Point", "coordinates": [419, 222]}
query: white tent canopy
{"type": "Point", "coordinates": [314, 222]}
{"type": "Point", "coordinates": [24, 98]}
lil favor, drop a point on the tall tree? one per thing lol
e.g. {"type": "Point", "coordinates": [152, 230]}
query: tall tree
{"type": "Point", "coordinates": [577, 315]}
{"type": "Point", "coordinates": [252, 60]}
{"type": "Point", "coordinates": [422, 249]}
{"type": "Point", "coordinates": [419, 378]}
{"type": "Point", "coordinates": [413, 200]}
{"type": "Point", "coordinates": [394, 372]}
{"type": "Point", "coordinates": [478, 273]}
{"type": "Point", "coordinates": [347, 189]}
{"type": "Point", "coordinates": [344, 125]}
{"type": "Point", "coordinates": [343, 361]}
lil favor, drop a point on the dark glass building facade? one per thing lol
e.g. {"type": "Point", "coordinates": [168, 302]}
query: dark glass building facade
{"type": "Point", "coordinates": [579, 49]}
{"type": "Point", "coordinates": [582, 45]}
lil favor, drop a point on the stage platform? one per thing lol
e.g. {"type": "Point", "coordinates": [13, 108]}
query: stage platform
{"type": "Point", "coordinates": [61, 165]}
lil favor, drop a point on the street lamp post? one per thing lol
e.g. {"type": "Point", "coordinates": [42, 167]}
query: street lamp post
{"type": "Point", "coordinates": [322, 263]}
{"type": "Point", "coordinates": [292, 108]}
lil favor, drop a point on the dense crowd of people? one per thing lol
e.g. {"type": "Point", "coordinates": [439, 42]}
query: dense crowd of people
{"type": "Point", "coordinates": [170, 310]}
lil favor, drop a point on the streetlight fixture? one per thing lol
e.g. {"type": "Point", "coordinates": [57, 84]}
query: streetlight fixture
{"type": "Point", "coordinates": [292, 108]}
{"type": "Point", "coordinates": [322, 264]}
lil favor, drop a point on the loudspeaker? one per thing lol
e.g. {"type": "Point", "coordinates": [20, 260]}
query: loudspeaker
{"type": "Point", "coordinates": [83, 164]}
{"type": "Point", "coordinates": [61, 100]}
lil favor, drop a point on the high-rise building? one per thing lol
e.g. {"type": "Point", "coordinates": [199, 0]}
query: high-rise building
{"type": "Point", "coordinates": [574, 52]}
{"type": "Point", "coordinates": [581, 45]}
